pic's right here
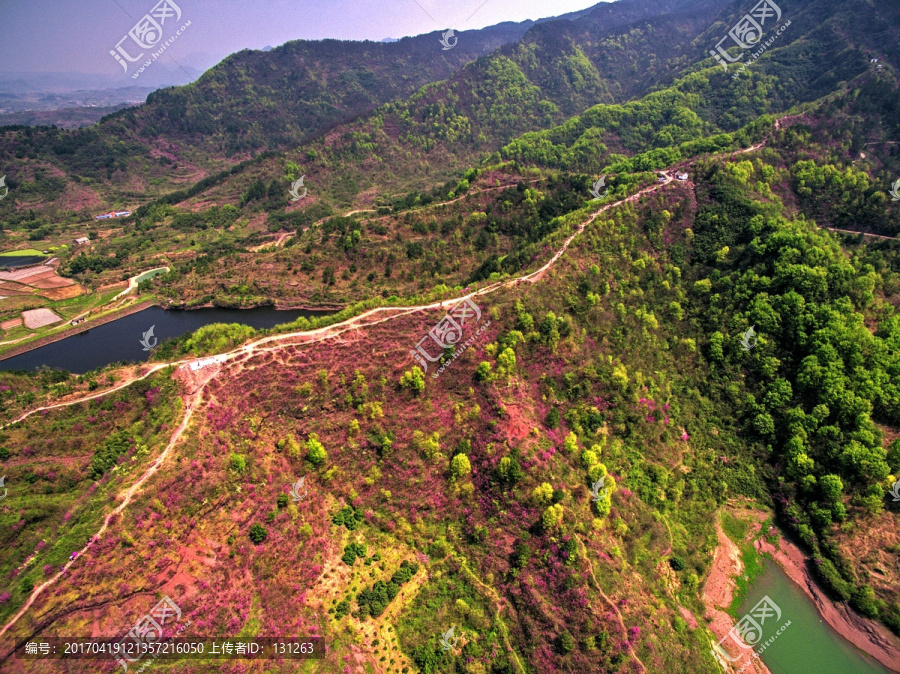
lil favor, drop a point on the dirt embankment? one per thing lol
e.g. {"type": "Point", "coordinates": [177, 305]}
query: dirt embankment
{"type": "Point", "coordinates": [718, 591]}
{"type": "Point", "coordinates": [867, 635]}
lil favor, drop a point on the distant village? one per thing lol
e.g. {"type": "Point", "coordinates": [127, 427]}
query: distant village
{"type": "Point", "coordinates": [83, 240]}
{"type": "Point", "coordinates": [112, 214]}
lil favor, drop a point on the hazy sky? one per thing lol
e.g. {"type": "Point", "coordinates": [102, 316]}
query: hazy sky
{"type": "Point", "coordinates": [77, 35]}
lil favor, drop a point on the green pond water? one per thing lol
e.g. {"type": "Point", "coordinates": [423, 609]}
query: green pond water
{"type": "Point", "coordinates": [149, 274]}
{"type": "Point", "coordinates": [808, 644]}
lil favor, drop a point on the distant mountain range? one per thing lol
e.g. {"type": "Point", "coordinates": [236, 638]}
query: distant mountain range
{"type": "Point", "coordinates": [164, 73]}
{"type": "Point", "coordinates": [429, 112]}
{"type": "Point", "coordinates": [256, 100]}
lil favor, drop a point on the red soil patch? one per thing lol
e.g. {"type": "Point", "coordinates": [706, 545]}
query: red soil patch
{"type": "Point", "coordinates": [13, 289]}
{"type": "Point", "coordinates": [76, 197]}
{"type": "Point", "coordinates": [53, 282]}
{"type": "Point", "coordinates": [718, 592]}
{"type": "Point", "coordinates": [517, 424]}
{"type": "Point", "coordinates": [61, 293]}
{"type": "Point", "coordinates": [689, 617]}
{"type": "Point", "coordinates": [39, 273]}
{"type": "Point", "coordinates": [121, 285]}
{"type": "Point", "coordinates": [10, 324]}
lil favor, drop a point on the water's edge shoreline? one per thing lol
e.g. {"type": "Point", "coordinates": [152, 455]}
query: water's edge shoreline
{"type": "Point", "coordinates": [718, 591]}
{"type": "Point", "coordinates": [867, 635]}
{"type": "Point", "coordinates": [134, 309]}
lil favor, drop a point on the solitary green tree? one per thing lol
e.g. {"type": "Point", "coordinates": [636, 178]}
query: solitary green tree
{"type": "Point", "coordinates": [460, 466]}
{"type": "Point", "coordinates": [414, 380]}
{"type": "Point", "coordinates": [258, 533]}
{"type": "Point", "coordinates": [316, 453]}
{"type": "Point", "coordinates": [552, 516]}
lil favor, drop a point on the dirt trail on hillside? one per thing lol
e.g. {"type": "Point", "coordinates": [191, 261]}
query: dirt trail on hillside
{"type": "Point", "coordinates": [128, 381]}
{"type": "Point", "coordinates": [612, 604]}
{"type": "Point", "coordinates": [851, 231]}
{"type": "Point", "coordinates": [278, 241]}
{"type": "Point", "coordinates": [433, 205]}
{"type": "Point", "coordinates": [499, 604]}
{"type": "Point", "coordinates": [126, 499]}
{"type": "Point", "coordinates": [247, 351]}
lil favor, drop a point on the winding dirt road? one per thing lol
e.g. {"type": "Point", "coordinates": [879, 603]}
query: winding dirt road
{"type": "Point", "coordinates": [126, 499]}
{"type": "Point", "coordinates": [126, 383]}
{"type": "Point", "coordinates": [308, 337]}
{"type": "Point", "coordinates": [612, 604]}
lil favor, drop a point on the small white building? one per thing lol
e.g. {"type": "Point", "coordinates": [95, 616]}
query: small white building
{"type": "Point", "coordinates": [82, 241]}
{"type": "Point", "coordinates": [681, 176]}
{"type": "Point", "coordinates": [113, 214]}
{"type": "Point", "coordinates": [204, 362]}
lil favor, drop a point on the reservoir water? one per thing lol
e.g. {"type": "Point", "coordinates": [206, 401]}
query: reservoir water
{"type": "Point", "coordinates": [808, 644]}
{"type": "Point", "coordinates": [120, 340]}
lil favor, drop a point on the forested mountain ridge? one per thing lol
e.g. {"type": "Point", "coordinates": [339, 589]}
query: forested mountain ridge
{"type": "Point", "coordinates": [558, 72]}
{"type": "Point", "coordinates": [251, 101]}
{"type": "Point", "coordinates": [255, 101]}
{"type": "Point", "coordinates": [264, 100]}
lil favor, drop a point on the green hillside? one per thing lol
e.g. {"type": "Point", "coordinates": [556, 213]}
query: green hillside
{"type": "Point", "coordinates": [650, 377]}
